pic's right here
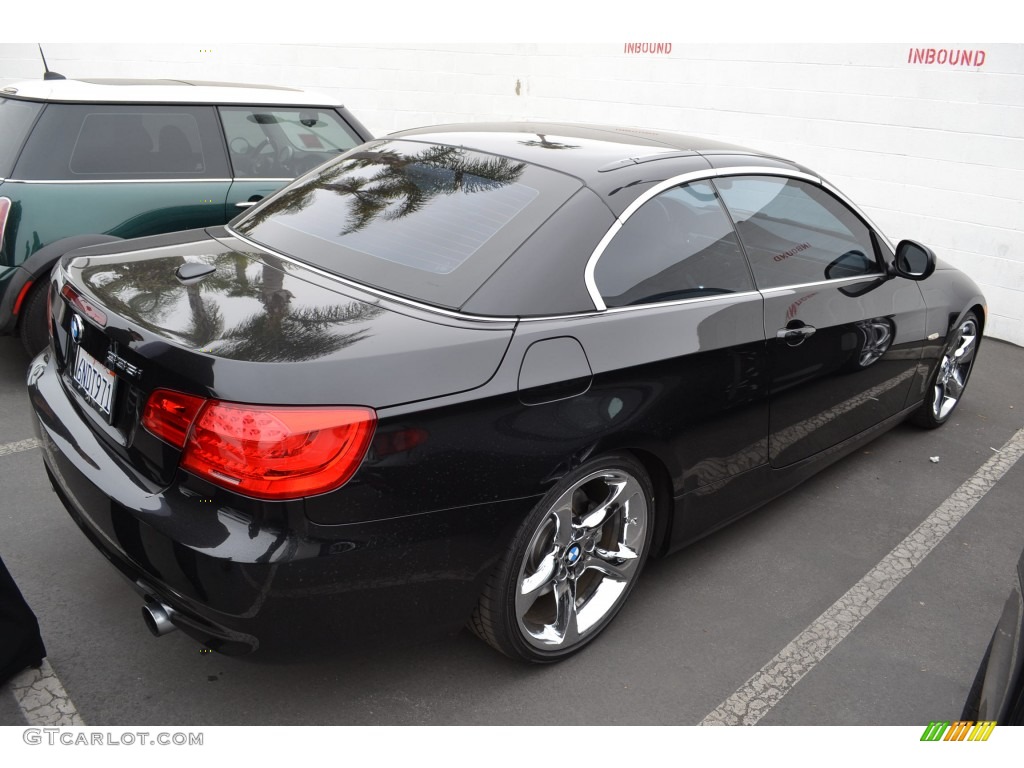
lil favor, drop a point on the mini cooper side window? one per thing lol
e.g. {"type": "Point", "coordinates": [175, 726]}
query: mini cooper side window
{"type": "Point", "coordinates": [277, 142]}
{"type": "Point", "coordinates": [678, 245]}
{"type": "Point", "coordinates": [16, 118]}
{"type": "Point", "coordinates": [123, 142]}
{"type": "Point", "coordinates": [129, 141]}
{"type": "Point", "coordinates": [795, 232]}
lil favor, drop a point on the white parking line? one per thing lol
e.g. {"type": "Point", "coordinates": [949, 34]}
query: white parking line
{"type": "Point", "coordinates": [764, 690]}
{"type": "Point", "coordinates": [42, 697]}
{"type": "Point", "coordinates": [21, 445]}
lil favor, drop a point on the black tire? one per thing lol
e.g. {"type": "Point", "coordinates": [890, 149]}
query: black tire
{"type": "Point", "coordinates": [571, 564]}
{"type": "Point", "coordinates": [33, 320]}
{"type": "Point", "coordinates": [949, 381]}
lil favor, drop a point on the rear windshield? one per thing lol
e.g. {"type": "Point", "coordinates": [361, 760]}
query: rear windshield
{"type": "Point", "coordinates": [427, 221]}
{"type": "Point", "coordinates": [16, 117]}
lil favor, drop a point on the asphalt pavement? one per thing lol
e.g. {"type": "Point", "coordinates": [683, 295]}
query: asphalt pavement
{"type": "Point", "coordinates": [700, 624]}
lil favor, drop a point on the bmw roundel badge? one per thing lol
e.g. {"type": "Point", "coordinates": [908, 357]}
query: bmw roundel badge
{"type": "Point", "coordinates": [77, 329]}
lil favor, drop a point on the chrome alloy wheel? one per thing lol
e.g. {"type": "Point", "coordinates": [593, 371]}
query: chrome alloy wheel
{"type": "Point", "coordinates": [954, 368]}
{"type": "Point", "coordinates": [581, 560]}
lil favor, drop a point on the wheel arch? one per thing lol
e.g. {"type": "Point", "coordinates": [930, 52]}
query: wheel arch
{"type": "Point", "coordinates": [37, 266]}
{"type": "Point", "coordinates": [663, 503]}
{"type": "Point", "coordinates": [980, 312]}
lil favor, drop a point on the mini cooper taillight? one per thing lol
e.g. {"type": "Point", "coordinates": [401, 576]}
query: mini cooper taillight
{"type": "Point", "coordinates": [5, 209]}
{"type": "Point", "coordinates": [267, 452]}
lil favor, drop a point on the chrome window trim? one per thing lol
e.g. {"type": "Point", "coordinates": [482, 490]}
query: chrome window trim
{"type": "Point", "coordinates": [637, 307]}
{"type": "Point", "coordinates": [493, 318]}
{"type": "Point", "coordinates": [145, 181]}
{"type": "Point", "coordinates": [369, 289]}
{"type": "Point", "coordinates": [839, 281]}
{"type": "Point", "coordinates": [114, 181]}
{"type": "Point", "coordinates": [711, 173]}
{"type": "Point", "coordinates": [590, 314]}
{"type": "Point", "coordinates": [702, 299]}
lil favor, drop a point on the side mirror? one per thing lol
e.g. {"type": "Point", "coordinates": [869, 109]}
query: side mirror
{"type": "Point", "coordinates": [913, 260]}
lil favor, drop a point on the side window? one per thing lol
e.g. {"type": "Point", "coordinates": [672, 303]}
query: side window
{"type": "Point", "coordinates": [138, 142]}
{"type": "Point", "coordinates": [16, 119]}
{"type": "Point", "coordinates": [678, 245]}
{"type": "Point", "coordinates": [795, 232]}
{"type": "Point", "coordinates": [124, 142]}
{"type": "Point", "coordinates": [282, 143]}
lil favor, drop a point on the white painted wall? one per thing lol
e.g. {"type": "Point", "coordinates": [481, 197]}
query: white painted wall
{"type": "Point", "coordinates": [932, 152]}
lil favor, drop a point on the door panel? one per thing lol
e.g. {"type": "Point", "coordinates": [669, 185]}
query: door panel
{"type": "Point", "coordinates": [843, 337]}
{"type": "Point", "coordinates": [854, 370]}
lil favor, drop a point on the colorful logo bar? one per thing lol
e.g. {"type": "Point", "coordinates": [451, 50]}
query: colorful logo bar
{"type": "Point", "coordinates": [961, 730]}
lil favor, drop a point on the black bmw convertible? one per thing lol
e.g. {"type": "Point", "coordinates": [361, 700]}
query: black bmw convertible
{"type": "Point", "coordinates": [480, 374]}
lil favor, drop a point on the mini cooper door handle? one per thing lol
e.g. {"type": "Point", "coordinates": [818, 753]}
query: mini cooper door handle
{"type": "Point", "coordinates": [250, 202]}
{"type": "Point", "coordinates": [795, 336]}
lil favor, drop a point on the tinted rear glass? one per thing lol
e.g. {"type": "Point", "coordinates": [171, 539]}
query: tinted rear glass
{"type": "Point", "coordinates": [427, 221]}
{"type": "Point", "coordinates": [16, 117]}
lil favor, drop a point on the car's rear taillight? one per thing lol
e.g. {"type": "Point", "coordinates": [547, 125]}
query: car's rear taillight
{"type": "Point", "coordinates": [169, 415]}
{"type": "Point", "coordinates": [267, 452]}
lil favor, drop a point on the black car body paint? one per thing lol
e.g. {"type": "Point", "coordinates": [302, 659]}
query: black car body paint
{"type": "Point", "coordinates": [489, 388]}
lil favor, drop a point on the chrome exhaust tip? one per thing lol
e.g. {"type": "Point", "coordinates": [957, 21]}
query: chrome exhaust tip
{"type": "Point", "coordinates": [157, 617]}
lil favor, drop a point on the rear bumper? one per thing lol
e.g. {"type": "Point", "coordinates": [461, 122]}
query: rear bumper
{"type": "Point", "coordinates": [236, 582]}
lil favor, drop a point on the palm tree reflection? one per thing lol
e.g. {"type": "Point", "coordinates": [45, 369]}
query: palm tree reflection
{"type": "Point", "coordinates": [385, 184]}
{"type": "Point", "coordinates": [282, 334]}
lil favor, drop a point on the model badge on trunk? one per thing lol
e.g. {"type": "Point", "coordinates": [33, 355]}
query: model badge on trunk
{"type": "Point", "coordinates": [114, 360]}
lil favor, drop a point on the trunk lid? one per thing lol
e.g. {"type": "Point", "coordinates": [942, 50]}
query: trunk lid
{"type": "Point", "coordinates": [220, 319]}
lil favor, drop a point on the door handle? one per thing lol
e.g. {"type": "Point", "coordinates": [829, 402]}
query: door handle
{"type": "Point", "coordinates": [250, 202]}
{"type": "Point", "coordinates": [795, 336]}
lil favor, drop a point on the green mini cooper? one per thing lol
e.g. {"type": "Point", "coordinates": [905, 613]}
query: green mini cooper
{"type": "Point", "coordinates": [84, 162]}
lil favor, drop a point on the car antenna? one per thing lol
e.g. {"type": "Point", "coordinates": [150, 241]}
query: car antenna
{"type": "Point", "coordinates": [47, 74]}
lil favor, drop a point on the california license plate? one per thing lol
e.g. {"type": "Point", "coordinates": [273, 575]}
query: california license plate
{"type": "Point", "coordinates": [95, 381]}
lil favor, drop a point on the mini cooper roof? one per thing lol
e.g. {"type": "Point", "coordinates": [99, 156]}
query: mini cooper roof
{"type": "Point", "coordinates": [106, 91]}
